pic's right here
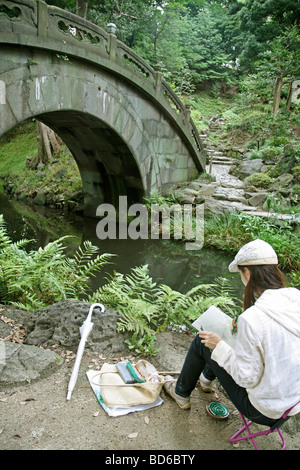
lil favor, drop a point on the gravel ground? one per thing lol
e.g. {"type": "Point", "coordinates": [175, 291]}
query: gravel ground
{"type": "Point", "coordinates": [36, 416]}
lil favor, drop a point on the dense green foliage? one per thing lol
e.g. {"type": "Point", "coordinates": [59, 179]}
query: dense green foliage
{"type": "Point", "coordinates": [204, 42]}
{"type": "Point", "coordinates": [17, 148]}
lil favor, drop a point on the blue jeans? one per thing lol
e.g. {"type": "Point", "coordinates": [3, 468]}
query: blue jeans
{"type": "Point", "coordinates": [198, 359]}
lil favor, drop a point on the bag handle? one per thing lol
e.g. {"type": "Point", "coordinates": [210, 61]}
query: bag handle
{"type": "Point", "coordinates": [137, 384]}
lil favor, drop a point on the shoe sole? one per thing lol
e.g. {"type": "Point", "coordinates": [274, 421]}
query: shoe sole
{"type": "Point", "coordinates": [184, 407]}
{"type": "Point", "coordinates": [207, 389]}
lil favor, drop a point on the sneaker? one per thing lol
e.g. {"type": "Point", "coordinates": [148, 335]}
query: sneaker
{"type": "Point", "coordinates": [205, 384]}
{"type": "Point", "coordinates": [182, 402]}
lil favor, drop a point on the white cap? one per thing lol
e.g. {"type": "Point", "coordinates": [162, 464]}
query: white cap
{"type": "Point", "coordinates": [256, 252]}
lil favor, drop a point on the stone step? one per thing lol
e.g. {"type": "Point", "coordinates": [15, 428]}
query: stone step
{"type": "Point", "coordinates": [274, 216]}
{"type": "Point", "coordinates": [221, 162]}
{"type": "Point", "coordinates": [217, 153]}
{"type": "Point", "coordinates": [230, 194]}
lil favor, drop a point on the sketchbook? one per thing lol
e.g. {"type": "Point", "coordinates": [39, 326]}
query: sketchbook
{"type": "Point", "coordinates": [216, 321]}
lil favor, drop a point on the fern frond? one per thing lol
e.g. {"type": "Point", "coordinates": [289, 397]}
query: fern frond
{"type": "Point", "coordinates": [4, 238]}
{"type": "Point", "coordinates": [137, 317]}
{"type": "Point", "coordinates": [96, 264]}
{"type": "Point", "coordinates": [31, 303]}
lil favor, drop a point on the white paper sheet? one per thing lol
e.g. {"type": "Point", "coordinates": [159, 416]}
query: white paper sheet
{"type": "Point", "coordinates": [94, 379]}
{"type": "Point", "coordinates": [216, 321]}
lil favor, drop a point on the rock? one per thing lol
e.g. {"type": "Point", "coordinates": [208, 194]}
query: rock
{"type": "Point", "coordinates": [248, 167]}
{"type": "Point", "coordinates": [173, 347]}
{"type": "Point", "coordinates": [218, 207]}
{"type": "Point", "coordinates": [277, 199]}
{"type": "Point", "coordinates": [282, 181]}
{"type": "Point", "coordinates": [56, 324]}
{"type": "Point", "coordinates": [207, 189]}
{"type": "Point", "coordinates": [21, 363]}
{"type": "Point", "coordinates": [230, 194]}
{"type": "Point", "coordinates": [40, 198]}
{"type": "Point", "coordinates": [258, 199]}
{"type": "Point", "coordinates": [59, 324]}
{"type": "Point", "coordinates": [61, 173]}
{"type": "Point", "coordinates": [184, 197]}
{"type": "Point", "coordinates": [213, 206]}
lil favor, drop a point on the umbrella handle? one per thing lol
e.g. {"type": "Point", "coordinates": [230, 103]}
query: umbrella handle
{"type": "Point", "coordinates": [102, 308]}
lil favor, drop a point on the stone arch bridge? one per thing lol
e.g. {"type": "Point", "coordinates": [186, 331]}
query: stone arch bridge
{"type": "Point", "coordinates": [127, 130]}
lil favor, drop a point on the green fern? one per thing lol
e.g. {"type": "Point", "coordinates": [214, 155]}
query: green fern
{"type": "Point", "coordinates": [147, 308]}
{"type": "Point", "coordinates": [138, 317]}
{"type": "Point", "coordinates": [41, 277]}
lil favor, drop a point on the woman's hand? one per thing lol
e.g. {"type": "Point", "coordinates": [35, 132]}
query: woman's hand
{"type": "Point", "coordinates": [210, 340]}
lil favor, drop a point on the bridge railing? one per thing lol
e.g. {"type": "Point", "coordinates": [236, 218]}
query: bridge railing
{"type": "Point", "coordinates": [66, 31]}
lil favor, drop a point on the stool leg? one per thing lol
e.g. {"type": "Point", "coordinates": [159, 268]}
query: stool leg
{"type": "Point", "coordinates": [234, 438]}
{"type": "Point", "coordinates": [282, 438]}
{"type": "Point", "coordinates": [251, 436]}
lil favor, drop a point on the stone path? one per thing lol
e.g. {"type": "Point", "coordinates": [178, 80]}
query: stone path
{"type": "Point", "coordinates": [231, 189]}
{"type": "Point", "coordinates": [227, 190]}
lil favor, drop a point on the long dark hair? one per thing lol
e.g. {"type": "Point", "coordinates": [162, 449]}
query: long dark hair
{"type": "Point", "coordinates": [267, 276]}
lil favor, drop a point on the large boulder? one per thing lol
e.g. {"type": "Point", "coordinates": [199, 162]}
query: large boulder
{"type": "Point", "coordinates": [60, 324]}
{"type": "Point", "coordinates": [26, 338]}
{"type": "Point", "coordinates": [248, 167]}
{"type": "Point", "coordinates": [20, 363]}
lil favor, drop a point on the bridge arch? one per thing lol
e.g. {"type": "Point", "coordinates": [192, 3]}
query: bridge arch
{"type": "Point", "coordinates": [110, 108]}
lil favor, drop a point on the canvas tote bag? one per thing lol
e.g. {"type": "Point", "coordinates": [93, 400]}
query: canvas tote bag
{"type": "Point", "coordinates": [115, 393]}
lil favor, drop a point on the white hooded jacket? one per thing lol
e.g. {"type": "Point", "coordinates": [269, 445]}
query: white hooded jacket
{"type": "Point", "coordinates": [266, 359]}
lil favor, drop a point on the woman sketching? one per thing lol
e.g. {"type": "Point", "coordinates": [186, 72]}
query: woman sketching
{"type": "Point", "coordinates": [262, 374]}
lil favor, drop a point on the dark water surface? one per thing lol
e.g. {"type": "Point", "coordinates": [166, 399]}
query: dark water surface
{"type": "Point", "coordinates": [169, 262]}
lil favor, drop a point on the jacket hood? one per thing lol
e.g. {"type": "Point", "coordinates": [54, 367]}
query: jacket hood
{"type": "Point", "coordinates": [283, 305]}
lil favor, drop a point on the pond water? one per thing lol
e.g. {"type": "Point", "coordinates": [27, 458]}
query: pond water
{"type": "Point", "coordinates": [169, 262]}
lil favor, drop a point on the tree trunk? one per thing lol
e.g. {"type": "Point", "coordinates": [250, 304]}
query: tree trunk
{"type": "Point", "coordinates": [81, 8]}
{"type": "Point", "coordinates": [277, 94]}
{"type": "Point", "coordinates": [48, 143]}
{"type": "Point", "coordinates": [289, 98]}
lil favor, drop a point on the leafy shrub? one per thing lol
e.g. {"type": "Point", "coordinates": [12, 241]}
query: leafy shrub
{"type": "Point", "coordinates": [255, 154]}
{"type": "Point", "coordinates": [253, 122]}
{"type": "Point", "coordinates": [259, 180]}
{"type": "Point", "coordinates": [270, 154]}
{"type": "Point", "coordinates": [296, 173]}
{"type": "Point", "coordinates": [296, 190]}
{"type": "Point", "coordinates": [232, 119]}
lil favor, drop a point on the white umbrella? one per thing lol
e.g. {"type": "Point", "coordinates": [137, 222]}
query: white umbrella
{"type": "Point", "coordinates": [85, 330]}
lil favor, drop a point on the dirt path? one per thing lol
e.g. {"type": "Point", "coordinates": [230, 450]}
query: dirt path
{"type": "Point", "coordinates": [36, 416]}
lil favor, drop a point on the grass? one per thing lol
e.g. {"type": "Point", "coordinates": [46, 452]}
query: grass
{"type": "Point", "coordinates": [16, 147]}
{"type": "Point", "coordinates": [204, 106]}
{"type": "Point", "coordinates": [230, 232]}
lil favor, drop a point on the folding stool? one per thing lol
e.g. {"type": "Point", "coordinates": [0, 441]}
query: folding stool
{"type": "Point", "coordinates": [275, 428]}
